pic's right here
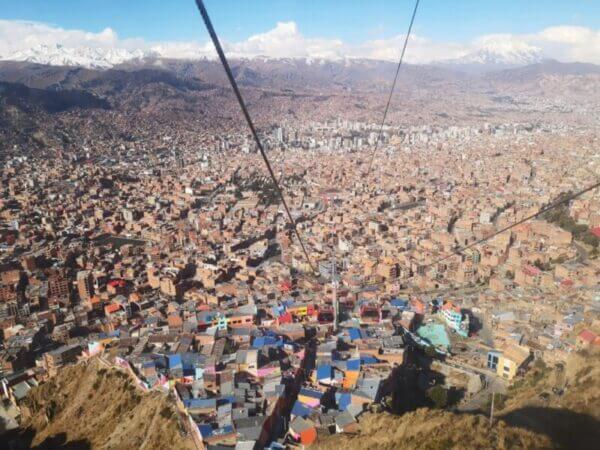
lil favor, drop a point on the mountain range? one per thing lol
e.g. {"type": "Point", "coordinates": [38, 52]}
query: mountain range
{"type": "Point", "coordinates": [487, 57]}
{"type": "Point", "coordinates": [43, 104]}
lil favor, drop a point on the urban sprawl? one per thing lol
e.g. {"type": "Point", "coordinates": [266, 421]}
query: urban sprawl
{"type": "Point", "coordinates": [171, 257]}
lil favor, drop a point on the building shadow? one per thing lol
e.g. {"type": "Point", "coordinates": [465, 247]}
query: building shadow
{"type": "Point", "coordinates": [22, 440]}
{"type": "Point", "coordinates": [566, 428]}
{"type": "Point", "coordinates": [475, 323]}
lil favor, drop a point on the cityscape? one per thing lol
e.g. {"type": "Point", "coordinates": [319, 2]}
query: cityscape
{"type": "Point", "coordinates": [441, 272]}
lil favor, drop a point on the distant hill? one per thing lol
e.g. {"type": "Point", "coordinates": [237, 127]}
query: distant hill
{"type": "Point", "coordinates": [69, 104]}
{"type": "Point", "coordinates": [26, 98]}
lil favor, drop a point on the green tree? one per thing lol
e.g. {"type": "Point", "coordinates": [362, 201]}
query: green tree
{"type": "Point", "coordinates": [438, 395]}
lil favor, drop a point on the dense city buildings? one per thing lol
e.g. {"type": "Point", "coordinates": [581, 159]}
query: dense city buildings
{"type": "Point", "coordinates": [179, 264]}
{"type": "Point", "coordinates": [140, 230]}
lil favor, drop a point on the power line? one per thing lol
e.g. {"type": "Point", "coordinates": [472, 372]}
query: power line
{"type": "Point", "coordinates": [387, 106]}
{"type": "Point", "coordinates": [526, 219]}
{"type": "Point", "coordinates": [234, 86]}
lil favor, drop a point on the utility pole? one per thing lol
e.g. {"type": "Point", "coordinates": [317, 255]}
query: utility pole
{"type": "Point", "coordinates": [334, 285]}
{"type": "Point", "coordinates": [492, 408]}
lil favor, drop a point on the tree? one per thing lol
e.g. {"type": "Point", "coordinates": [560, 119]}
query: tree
{"type": "Point", "coordinates": [591, 240]}
{"type": "Point", "coordinates": [438, 395]}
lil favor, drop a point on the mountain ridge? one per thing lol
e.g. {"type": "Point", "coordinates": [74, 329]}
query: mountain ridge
{"type": "Point", "coordinates": [491, 56]}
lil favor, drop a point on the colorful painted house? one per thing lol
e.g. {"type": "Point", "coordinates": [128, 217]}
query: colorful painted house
{"type": "Point", "coordinates": [455, 319]}
{"type": "Point", "coordinates": [303, 430]}
{"type": "Point", "coordinates": [507, 361]}
{"type": "Point", "coordinates": [310, 397]}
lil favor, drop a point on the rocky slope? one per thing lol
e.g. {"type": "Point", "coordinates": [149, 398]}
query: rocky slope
{"type": "Point", "coordinates": [89, 406]}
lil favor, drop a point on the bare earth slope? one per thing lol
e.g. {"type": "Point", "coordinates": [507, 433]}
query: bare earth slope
{"type": "Point", "coordinates": [548, 409]}
{"type": "Point", "coordinates": [562, 404]}
{"type": "Point", "coordinates": [427, 429]}
{"type": "Point", "coordinates": [91, 406]}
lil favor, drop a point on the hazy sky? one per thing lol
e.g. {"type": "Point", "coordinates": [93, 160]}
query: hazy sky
{"type": "Point", "coordinates": [566, 30]}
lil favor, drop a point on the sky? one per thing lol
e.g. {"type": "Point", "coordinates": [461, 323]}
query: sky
{"type": "Point", "coordinates": [565, 30]}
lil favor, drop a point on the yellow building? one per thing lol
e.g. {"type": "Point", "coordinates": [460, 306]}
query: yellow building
{"type": "Point", "coordinates": [507, 361]}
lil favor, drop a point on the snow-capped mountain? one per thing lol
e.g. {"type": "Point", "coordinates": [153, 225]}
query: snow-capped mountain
{"type": "Point", "coordinates": [497, 52]}
{"type": "Point", "coordinates": [512, 57]}
{"type": "Point", "coordinates": [91, 58]}
{"type": "Point", "coordinates": [488, 56]}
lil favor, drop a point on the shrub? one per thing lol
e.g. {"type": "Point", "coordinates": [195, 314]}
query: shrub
{"type": "Point", "coordinates": [166, 412]}
{"type": "Point", "coordinates": [438, 395]}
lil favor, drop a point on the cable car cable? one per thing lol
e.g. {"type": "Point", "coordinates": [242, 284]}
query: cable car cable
{"type": "Point", "coordinates": [526, 219]}
{"type": "Point", "coordinates": [234, 86]}
{"type": "Point", "coordinates": [387, 106]}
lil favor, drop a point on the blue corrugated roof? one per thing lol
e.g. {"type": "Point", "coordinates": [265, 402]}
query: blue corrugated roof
{"type": "Point", "coordinates": [205, 429]}
{"type": "Point", "coordinates": [310, 393]}
{"type": "Point", "coordinates": [262, 341]}
{"type": "Point", "coordinates": [368, 359]}
{"type": "Point", "coordinates": [323, 371]}
{"type": "Point", "coordinates": [354, 333]}
{"type": "Point", "coordinates": [399, 302]}
{"type": "Point", "coordinates": [226, 399]}
{"type": "Point", "coordinates": [343, 399]}
{"type": "Point", "coordinates": [353, 364]}
{"type": "Point", "coordinates": [300, 409]}
{"type": "Point", "coordinates": [175, 361]}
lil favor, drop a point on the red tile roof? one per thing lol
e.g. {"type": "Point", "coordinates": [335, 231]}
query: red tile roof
{"type": "Point", "coordinates": [531, 270]}
{"type": "Point", "coordinates": [588, 336]}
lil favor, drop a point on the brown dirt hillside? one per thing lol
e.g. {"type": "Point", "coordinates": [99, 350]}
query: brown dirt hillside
{"type": "Point", "coordinates": [575, 387]}
{"type": "Point", "coordinates": [550, 408]}
{"type": "Point", "coordinates": [432, 430]}
{"type": "Point", "coordinates": [563, 403]}
{"type": "Point", "coordinates": [91, 406]}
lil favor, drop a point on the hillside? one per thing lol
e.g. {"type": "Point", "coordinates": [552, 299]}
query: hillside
{"type": "Point", "coordinates": [65, 106]}
{"type": "Point", "coordinates": [549, 408]}
{"type": "Point", "coordinates": [562, 403]}
{"type": "Point", "coordinates": [88, 406]}
{"type": "Point", "coordinates": [428, 429]}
